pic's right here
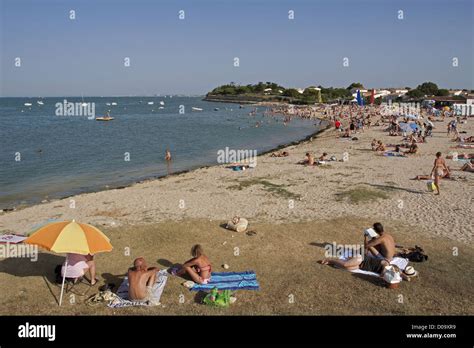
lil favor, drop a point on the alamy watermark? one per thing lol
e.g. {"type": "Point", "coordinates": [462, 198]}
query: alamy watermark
{"type": "Point", "coordinates": [75, 109]}
{"type": "Point", "coordinates": [244, 157]}
{"type": "Point", "coordinates": [10, 250]}
{"type": "Point", "coordinates": [343, 250]}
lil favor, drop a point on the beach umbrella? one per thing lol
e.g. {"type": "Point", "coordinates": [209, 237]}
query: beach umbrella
{"type": "Point", "coordinates": [70, 237]}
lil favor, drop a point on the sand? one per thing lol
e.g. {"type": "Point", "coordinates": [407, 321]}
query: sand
{"type": "Point", "coordinates": [295, 210]}
{"type": "Point", "coordinates": [306, 193]}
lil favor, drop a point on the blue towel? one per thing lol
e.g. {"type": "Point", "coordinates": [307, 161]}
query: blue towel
{"type": "Point", "coordinates": [230, 281]}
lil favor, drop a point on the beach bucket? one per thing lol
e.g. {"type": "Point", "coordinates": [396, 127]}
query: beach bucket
{"type": "Point", "coordinates": [431, 185]}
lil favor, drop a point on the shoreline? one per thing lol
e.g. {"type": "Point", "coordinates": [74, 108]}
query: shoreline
{"type": "Point", "coordinates": [154, 178]}
{"type": "Point", "coordinates": [368, 185]}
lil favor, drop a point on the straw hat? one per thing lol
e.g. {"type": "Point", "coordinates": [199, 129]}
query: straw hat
{"type": "Point", "coordinates": [410, 271]}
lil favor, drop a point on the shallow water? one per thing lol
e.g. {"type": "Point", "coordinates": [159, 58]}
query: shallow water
{"type": "Point", "coordinates": [46, 156]}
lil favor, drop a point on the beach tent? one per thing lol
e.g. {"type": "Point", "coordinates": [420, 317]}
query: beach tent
{"type": "Point", "coordinates": [70, 237]}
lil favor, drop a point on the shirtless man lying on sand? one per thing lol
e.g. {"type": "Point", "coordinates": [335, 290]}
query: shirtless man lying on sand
{"type": "Point", "coordinates": [381, 248]}
{"type": "Point", "coordinates": [141, 279]}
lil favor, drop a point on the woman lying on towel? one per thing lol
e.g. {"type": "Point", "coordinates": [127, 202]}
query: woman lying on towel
{"type": "Point", "coordinates": [198, 268]}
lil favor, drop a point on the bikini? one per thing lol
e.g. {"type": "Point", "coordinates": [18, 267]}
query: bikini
{"type": "Point", "coordinates": [205, 268]}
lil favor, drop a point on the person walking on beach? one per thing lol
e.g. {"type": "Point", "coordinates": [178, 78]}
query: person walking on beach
{"type": "Point", "coordinates": [438, 170]}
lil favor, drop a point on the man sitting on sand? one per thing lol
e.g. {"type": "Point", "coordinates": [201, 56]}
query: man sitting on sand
{"type": "Point", "coordinates": [379, 252]}
{"type": "Point", "coordinates": [308, 160]}
{"type": "Point", "coordinates": [468, 167]}
{"type": "Point", "coordinates": [141, 279]}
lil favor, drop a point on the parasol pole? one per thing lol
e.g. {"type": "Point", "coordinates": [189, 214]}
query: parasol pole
{"type": "Point", "coordinates": [62, 286]}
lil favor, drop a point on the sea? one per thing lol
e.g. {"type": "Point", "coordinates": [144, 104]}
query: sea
{"type": "Point", "coordinates": [47, 152]}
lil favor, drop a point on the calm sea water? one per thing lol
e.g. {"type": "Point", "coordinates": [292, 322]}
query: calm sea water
{"type": "Point", "coordinates": [65, 155]}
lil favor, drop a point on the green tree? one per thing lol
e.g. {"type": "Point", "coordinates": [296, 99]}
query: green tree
{"type": "Point", "coordinates": [291, 92]}
{"type": "Point", "coordinates": [442, 92]}
{"type": "Point", "coordinates": [355, 85]}
{"type": "Point", "coordinates": [428, 88]}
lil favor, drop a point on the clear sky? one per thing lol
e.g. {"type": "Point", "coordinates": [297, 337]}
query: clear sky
{"type": "Point", "coordinates": [85, 56]}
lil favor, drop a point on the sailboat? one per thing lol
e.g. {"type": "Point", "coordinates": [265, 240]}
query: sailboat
{"type": "Point", "coordinates": [196, 109]}
{"type": "Point", "coordinates": [162, 102]}
{"type": "Point", "coordinates": [40, 102]}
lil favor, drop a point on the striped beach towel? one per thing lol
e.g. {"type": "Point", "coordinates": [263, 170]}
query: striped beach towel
{"type": "Point", "coordinates": [230, 281]}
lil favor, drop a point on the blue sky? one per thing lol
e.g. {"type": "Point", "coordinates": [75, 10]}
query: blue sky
{"type": "Point", "coordinates": [63, 57]}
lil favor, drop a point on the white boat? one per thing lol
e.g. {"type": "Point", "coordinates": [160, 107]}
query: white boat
{"type": "Point", "coordinates": [162, 102]}
{"type": "Point", "coordinates": [196, 109]}
{"type": "Point", "coordinates": [108, 104]}
{"type": "Point", "coordinates": [161, 107]}
{"type": "Point", "coordinates": [40, 102]}
{"type": "Point", "coordinates": [150, 103]}
{"type": "Point", "coordinates": [114, 103]}
{"type": "Point", "coordinates": [27, 104]}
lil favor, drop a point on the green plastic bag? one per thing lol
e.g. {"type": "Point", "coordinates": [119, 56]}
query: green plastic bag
{"type": "Point", "coordinates": [217, 299]}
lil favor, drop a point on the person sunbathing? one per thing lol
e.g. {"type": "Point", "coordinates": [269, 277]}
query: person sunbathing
{"type": "Point", "coordinates": [198, 268]}
{"type": "Point", "coordinates": [373, 144]}
{"type": "Point", "coordinates": [380, 146]}
{"type": "Point", "coordinates": [323, 157]}
{"type": "Point", "coordinates": [280, 154]}
{"type": "Point", "coordinates": [413, 149]}
{"type": "Point", "coordinates": [468, 167]}
{"type": "Point", "coordinates": [378, 253]}
{"type": "Point", "coordinates": [461, 156]}
{"type": "Point", "coordinates": [141, 279]}
{"type": "Point", "coordinates": [308, 160]}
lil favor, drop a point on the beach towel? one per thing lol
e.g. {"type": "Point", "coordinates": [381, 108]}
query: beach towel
{"type": "Point", "coordinates": [394, 154]}
{"type": "Point", "coordinates": [230, 281]}
{"type": "Point", "coordinates": [11, 238]}
{"type": "Point", "coordinates": [157, 289]}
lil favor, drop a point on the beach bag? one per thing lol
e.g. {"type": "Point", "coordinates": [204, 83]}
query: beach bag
{"type": "Point", "coordinates": [416, 254]}
{"type": "Point", "coordinates": [238, 224]}
{"type": "Point", "coordinates": [217, 299]}
{"type": "Point", "coordinates": [431, 185]}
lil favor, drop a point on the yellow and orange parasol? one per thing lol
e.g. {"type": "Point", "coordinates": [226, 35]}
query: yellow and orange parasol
{"type": "Point", "coordinates": [70, 237]}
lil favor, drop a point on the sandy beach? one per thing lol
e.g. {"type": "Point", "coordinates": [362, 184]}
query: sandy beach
{"type": "Point", "coordinates": [294, 210]}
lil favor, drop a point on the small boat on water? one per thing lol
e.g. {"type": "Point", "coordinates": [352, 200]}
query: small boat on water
{"type": "Point", "coordinates": [151, 103]}
{"type": "Point", "coordinates": [105, 118]}
{"type": "Point", "coordinates": [161, 107]}
{"type": "Point", "coordinates": [162, 102]}
{"type": "Point", "coordinates": [114, 103]}
{"type": "Point", "coordinates": [108, 104]}
{"type": "Point", "coordinates": [40, 102]}
{"type": "Point", "coordinates": [216, 109]}
{"type": "Point", "coordinates": [196, 109]}
{"type": "Point", "coordinates": [27, 104]}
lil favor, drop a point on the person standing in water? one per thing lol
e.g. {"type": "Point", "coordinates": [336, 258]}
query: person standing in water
{"type": "Point", "coordinates": [438, 170]}
{"type": "Point", "coordinates": [168, 155]}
